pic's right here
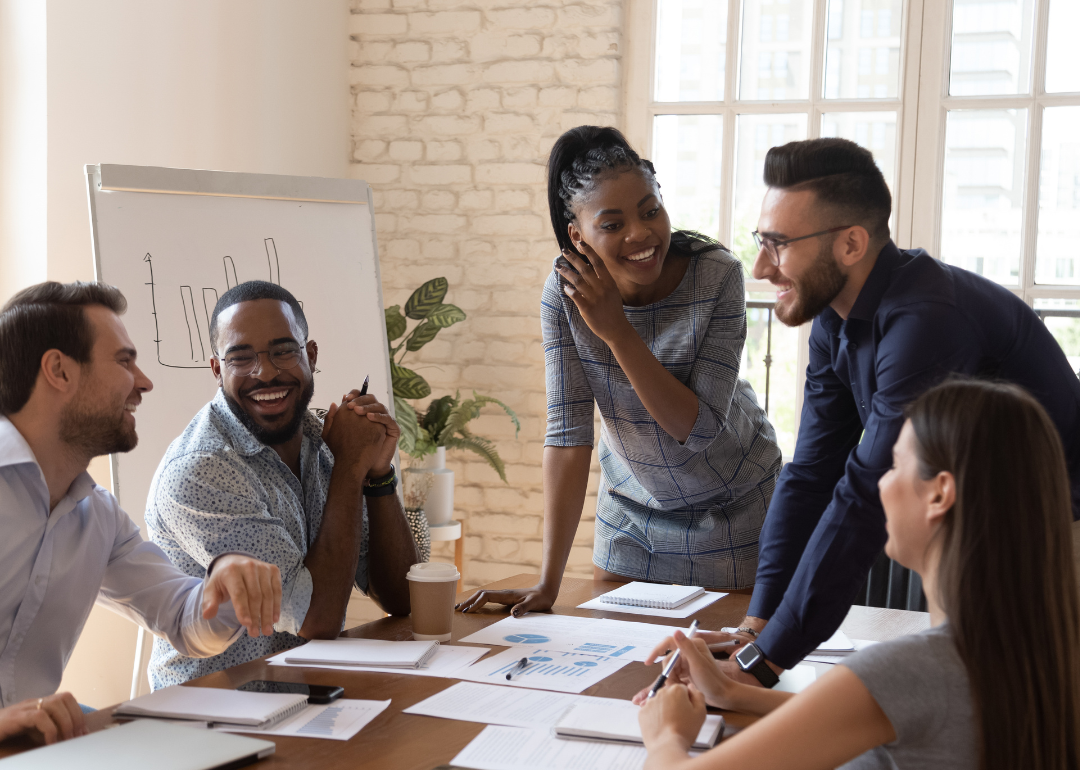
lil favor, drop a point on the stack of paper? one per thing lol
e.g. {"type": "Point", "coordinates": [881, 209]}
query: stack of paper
{"type": "Point", "coordinates": [837, 644]}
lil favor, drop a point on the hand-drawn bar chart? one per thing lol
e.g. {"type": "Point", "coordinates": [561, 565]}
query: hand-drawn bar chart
{"type": "Point", "coordinates": [189, 346]}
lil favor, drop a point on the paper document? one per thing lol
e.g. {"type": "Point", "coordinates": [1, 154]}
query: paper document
{"type": "Point", "coordinates": [337, 721]}
{"type": "Point", "coordinates": [546, 669]}
{"type": "Point", "coordinates": [601, 636]}
{"type": "Point", "coordinates": [838, 657]}
{"type": "Point", "coordinates": [509, 706]}
{"type": "Point", "coordinates": [796, 679]}
{"type": "Point", "coordinates": [837, 643]}
{"type": "Point", "coordinates": [515, 748]}
{"type": "Point", "coordinates": [446, 662]}
{"type": "Point", "coordinates": [685, 611]}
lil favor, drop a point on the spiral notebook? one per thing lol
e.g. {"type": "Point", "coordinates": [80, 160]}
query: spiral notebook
{"type": "Point", "coordinates": [659, 597]}
{"type": "Point", "coordinates": [212, 704]}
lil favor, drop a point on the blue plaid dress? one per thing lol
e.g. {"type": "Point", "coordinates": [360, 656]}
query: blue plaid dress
{"type": "Point", "coordinates": [682, 513]}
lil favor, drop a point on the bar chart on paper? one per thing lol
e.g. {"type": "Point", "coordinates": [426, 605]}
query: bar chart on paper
{"type": "Point", "coordinates": [544, 669]}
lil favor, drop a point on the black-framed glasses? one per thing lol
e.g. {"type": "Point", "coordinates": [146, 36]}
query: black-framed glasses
{"type": "Point", "coordinates": [243, 363]}
{"type": "Point", "coordinates": [772, 245]}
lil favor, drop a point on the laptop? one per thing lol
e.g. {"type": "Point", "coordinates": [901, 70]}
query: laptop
{"type": "Point", "coordinates": [147, 743]}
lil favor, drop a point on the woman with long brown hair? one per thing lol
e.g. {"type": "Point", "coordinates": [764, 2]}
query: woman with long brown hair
{"type": "Point", "coordinates": [978, 503]}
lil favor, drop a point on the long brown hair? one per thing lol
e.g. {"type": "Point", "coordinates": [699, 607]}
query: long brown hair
{"type": "Point", "coordinates": [1006, 578]}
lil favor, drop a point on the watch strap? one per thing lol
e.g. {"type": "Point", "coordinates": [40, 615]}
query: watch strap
{"type": "Point", "coordinates": [761, 670]}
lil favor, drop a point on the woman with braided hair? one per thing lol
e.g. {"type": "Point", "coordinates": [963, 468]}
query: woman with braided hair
{"type": "Point", "coordinates": [649, 324]}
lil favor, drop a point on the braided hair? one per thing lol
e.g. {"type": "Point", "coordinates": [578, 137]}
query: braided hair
{"type": "Point", "coordinates": [578, 159]}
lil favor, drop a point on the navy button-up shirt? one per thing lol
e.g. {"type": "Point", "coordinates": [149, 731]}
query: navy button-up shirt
{"type": "Point", "coordinates": [915, 321]}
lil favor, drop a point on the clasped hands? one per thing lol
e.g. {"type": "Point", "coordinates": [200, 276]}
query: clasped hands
{"type": "Point", "coordinates": [361, 433]}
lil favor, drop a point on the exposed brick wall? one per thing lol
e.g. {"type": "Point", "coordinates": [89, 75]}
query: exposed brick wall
{"type": "Point", "coordinates": [456, 105]}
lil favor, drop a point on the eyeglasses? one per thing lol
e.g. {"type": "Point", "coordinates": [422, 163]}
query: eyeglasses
{"type": "Point", "coordinates": [772, 246]}
{"type": "Point", "coordinates": [243, 363]}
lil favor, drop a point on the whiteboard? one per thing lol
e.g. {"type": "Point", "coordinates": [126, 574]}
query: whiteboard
{"type": "Point", "coordinates": [174, 240]}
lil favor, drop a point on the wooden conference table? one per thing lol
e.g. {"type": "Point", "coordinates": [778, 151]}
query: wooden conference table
{"type": "Point", "coordinates": [397, 741]}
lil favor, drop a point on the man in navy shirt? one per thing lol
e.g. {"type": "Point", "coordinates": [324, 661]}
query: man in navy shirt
{"type": "Point", "coordinates": [887, 324]}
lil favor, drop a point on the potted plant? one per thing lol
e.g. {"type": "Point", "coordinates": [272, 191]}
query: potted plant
{"type": "Point", "coordinates": [444, 424]}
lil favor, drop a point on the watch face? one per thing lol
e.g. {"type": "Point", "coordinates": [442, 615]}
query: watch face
{"type": "Point", "coordinates": [748, 657]}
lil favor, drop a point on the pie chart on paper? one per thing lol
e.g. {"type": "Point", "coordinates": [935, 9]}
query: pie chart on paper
{"type": "Point", "coordinates": [526, 639]}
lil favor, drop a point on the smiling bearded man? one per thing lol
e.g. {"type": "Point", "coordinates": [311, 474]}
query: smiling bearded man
{"type": "Point", "coordinates": [255, 471]}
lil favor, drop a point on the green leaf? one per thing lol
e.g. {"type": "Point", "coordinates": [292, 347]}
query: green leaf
{"type": "Point", "coordinates": [437, 412]}
{"type": "Point", "coordinates": [395, 322]}
{"type": "Point", "coordinates": [405, 416]}
{"type": "Point", "coordinates": [426, 299]}
{"type": "Point", "coordinates": [407, 383]}
{"type": "Point", "coordinates": [446, 315]}
{"type": "Point", "coordinates": [482, 447]}
{"type": "Point", "coordinates": [466, 411]}
{"type": "Point", "coordinates": [422, 335]}
{"type": "Point", "coordinates": [424, 445]}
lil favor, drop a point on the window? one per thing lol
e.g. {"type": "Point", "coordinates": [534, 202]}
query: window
{"type": "Point", "coordinates": [967, 106]}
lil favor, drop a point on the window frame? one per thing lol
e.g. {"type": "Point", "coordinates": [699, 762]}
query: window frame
{"type": "Point", "coordinates": [933, 108]}
{"type": "Point", "coordinates": [922, 109]}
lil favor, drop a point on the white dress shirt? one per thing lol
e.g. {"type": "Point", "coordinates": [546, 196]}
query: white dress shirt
{"type": "Point", "coordinates": [53, 566]}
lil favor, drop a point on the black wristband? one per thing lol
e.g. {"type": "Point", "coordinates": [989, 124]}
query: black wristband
{"type": "Point", "coordinates": [381, 491]}
{"type": "Point", "coordinates": [389, 478]}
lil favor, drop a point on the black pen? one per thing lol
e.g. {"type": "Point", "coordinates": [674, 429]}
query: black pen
{"type": "Point", "coordinates": [363, 388]}
{"type": "Point", "coordinates": [671, 663]}
{"type": "Point", "coordinates": [520, 666]}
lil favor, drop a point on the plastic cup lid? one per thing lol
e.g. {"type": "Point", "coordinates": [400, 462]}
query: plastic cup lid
{"type": "Point", "coordinates": [432, 572]}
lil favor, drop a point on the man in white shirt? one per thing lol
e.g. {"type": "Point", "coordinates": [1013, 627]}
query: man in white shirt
{"type": "Point", "coordinates": [69, 388]}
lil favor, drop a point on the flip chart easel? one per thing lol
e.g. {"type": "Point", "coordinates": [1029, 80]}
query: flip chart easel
{"type": "Point", "coordinates": [174, 240]}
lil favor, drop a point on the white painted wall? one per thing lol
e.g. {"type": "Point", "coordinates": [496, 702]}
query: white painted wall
{"type": "Point", "coordinates": [243, 85]}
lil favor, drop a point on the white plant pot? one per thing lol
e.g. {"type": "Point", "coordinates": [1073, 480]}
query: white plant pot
{"type": "Point", "coordinates": [439, 505]}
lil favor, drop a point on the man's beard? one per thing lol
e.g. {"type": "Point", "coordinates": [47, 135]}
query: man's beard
{"type": "Point", "coordinates": [95, 432]}
{"type": "Point", "coordinates": [815, 290]}
{"type": "Point", "coordinates": [274, 436]}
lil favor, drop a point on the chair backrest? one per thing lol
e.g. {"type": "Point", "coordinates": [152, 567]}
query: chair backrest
{"type": "Point", "coordinates": [892, 586]}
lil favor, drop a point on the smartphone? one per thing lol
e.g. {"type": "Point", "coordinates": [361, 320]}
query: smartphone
{"type": "Point", "coordinates": [317, 693]}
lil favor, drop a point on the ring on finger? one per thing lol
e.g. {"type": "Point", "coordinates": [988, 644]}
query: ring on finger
{"type": "Point", "coordinates": [39, 702]}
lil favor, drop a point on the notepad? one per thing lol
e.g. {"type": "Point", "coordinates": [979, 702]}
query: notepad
{"type": "Point", "coordinates": [212, 704]}
{"type": "Point", "coordinates": [363, 653]}
{"type": "Point", "coordinates": [661, 597]}
{"type": "Point", "coordinates": [617, 722]}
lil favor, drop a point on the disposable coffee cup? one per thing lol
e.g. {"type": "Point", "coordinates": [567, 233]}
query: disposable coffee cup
{"type": "Point", "coordinates": [432, 589]}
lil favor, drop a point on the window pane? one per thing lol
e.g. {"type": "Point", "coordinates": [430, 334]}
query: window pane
{"type": "Point", "coordinates": [876, 131]}
{"type": "Point", "coordinates": [687, 151]}
{"type": "Point", "coordinates": [782, 376]}
{"type": "Point", "coordinates": [984, 180]}
{"type": "Point", "coordinates": [1062, 318]}
{"type": "Point", "coordinates": [691, 40]}
{"type": "Point", "coordinates": [991, 47]}
{"type": "Point", "coordinates": [862, 57]}
{"type": "Point", "coordinates": [1062, 52]}
{"type": "Point", "coordinates": [754, 136]}
{"type": "Point", "coordinates": [776, 49]}
{"type": "Point", "coordinates": [1056, 258]}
